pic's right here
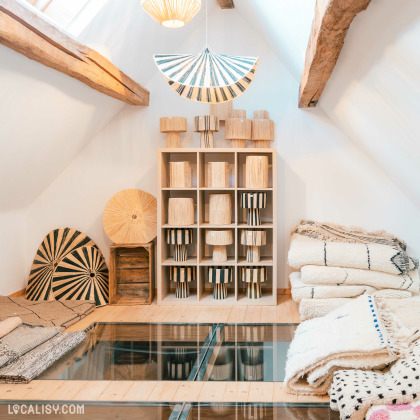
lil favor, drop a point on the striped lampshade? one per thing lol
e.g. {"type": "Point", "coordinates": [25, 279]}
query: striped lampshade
{"type": "Point", "coordinates": [207, 77]}
{"type": "Point", "coordinates": [172, 13]}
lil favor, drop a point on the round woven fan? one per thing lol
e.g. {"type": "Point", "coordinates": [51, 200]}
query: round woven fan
{"type": "Point", "coordinates": [130, 217]}
{"type": "Point", "coordinates": [82, 275]}
{"type": "Point", "coordinates": [55, 246]}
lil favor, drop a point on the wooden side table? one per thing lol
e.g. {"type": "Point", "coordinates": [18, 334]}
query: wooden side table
{"type": "Point", "coordinates": [131, 274]}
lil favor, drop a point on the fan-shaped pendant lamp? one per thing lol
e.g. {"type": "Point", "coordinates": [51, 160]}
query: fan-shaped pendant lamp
{"type": "Point", "coordinates": [172, 13]}
{"type": "Point", "coordinates": [207, 77]}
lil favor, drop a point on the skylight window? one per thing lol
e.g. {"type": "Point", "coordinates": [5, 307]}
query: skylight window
{"type": "Point", "coordinates": [72, 15]}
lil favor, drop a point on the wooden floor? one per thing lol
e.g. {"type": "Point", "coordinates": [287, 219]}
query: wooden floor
{"type": "Point", "coordinates": [58, 390]}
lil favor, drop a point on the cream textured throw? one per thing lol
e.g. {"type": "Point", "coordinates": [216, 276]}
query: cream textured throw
{"type": "Point", "coordinates": [353, 392]}
{"type": "Point", "coordinates": [336, 233]}
{"type": "Point", "coordinates": [359, 335]}
{"type": "Point", "coordinates": [307, 291]}
{"type": "Point", "coordinates": [9, 325]}
{"type": "Point", "coordinates": [315, 274]}
{"type": "Point", "coordinates": [406, 310]}
{"type": "Point", "coordinates": [375, 257]}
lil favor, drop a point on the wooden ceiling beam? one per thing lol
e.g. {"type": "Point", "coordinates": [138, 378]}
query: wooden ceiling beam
{"type": "Point", "coordinates": [329, 28]}
{"type": "Point", "coordinates": [30, 34]}
{"type": "Point", "coordinates": [226, 4]}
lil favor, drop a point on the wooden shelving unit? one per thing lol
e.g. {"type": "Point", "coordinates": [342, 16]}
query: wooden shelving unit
{"type": "Point", "coordinates": [199, 253]}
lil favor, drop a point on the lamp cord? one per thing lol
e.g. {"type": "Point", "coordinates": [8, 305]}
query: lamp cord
{"type": "Point", "coordinates": [206, 26]}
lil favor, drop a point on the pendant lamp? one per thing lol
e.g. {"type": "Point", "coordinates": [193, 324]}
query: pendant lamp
{"type": "Point", "coordinates": [207, 77]}
{"type": "Point", "coordinates": [172, 13]}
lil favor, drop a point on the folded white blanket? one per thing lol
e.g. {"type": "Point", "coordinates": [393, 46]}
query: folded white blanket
{"type": "Point", "coordinates": [353, 392]}
{"type": "Point", "coordinates": [316, 274]}
{"type": "Point", "coordinates": [359, 335]}
{"type": "Point", "coordinates": [375, 257]}
{"type": "Point", "coordinates": [315, 291]}
{"type": "Point", "coordinates": [315, 308]}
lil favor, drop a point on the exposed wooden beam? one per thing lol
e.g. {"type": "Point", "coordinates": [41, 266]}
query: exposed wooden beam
{"type": "Point", "coordinates": [329, 28]}
{"type": "Point", "coordinates": [226, 4]}
{"type": "Point", "coordinates": [33, 36]}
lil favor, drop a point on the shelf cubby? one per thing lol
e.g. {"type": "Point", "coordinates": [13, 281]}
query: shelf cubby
{"type": "Point", "coordinates": [200, 253]}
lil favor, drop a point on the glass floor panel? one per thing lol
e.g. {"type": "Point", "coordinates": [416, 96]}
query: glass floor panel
{"type": "Point", "coordinates": [203, 352]}
{"type": "Point", "coordinates": [173, 411]}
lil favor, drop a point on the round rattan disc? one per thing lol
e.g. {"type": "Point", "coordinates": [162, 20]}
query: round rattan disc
{"type": "Point", "coordinates": [130, 217]}
{"type": "Point", "coordinates": [82, 275]}
{"type": "Point", "coordinates": [55, 246]}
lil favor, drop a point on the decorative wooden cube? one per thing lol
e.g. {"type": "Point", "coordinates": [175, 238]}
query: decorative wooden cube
{"type": "Point", "coordinates": [206, 125]}
{"type": "Point", "coordinates": [219, 239]}
{"type": "Point", "coordinates": [262, 129]}
{"type": "Point", "coordinates": [253, 277]}
{"type": "Point", "coordinates": [220, 277]}
{"type": "Point", "coordinates": [218, 175]}
{"type": "Point", "coordinates": [256, 172]}
{"type": "Point", "coordinates": [179, 174]}
{"type": "Point", "coordinates": [180, 238]}
{"type": "Point", "coordinates": [180, 211]}
{"type": "Point", "coordinates": [254, 202]}
{"type": "Point", "coordinates": [238, 128]}
{"type": "Point", "coordinates": [182, 276]}
{"type": "Point", "coordinates": [131, 274]}
{"type": "Point", "coordinates": [253, 240]}
{"type": "Point", "coordinates": [220, 209]}
{"type": "Point", "coordinates": [172, 126]}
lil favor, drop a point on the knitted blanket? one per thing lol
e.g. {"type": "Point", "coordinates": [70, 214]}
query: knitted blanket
{"type": "Point", "coordinates": [353, 392]}
{"type": "Point", "coordinates": [33, 363]}
{"type": "Point", "coordinates": [23, 339]}
{"type": "Point", "coordinates": [315, 274]}
{"type": "Point", "coordinates": [394, 412]}
{"type": "Point", "coordinates": [331, 232]}
{"type": "Point", "coordinates": [359, 335]}
{"type": "Point", "coordinates": [301, 290]}
{"type": "Point", "coordinates": [315, 308]}
{"type": "Point", "coordinates": [375, 257]}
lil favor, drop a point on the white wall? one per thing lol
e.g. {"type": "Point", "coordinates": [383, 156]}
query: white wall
{"type": "Point", "coordinates": [321, 173]}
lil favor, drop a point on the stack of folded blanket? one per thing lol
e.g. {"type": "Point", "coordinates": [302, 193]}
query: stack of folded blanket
{"type": "Point", "coordinates": [338, 264]}
{"type": "Point", "coordinates": [27, 350]}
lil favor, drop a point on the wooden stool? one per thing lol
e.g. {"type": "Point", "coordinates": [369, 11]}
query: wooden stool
{"type": "Point", "coordinates": [182, 276]}
{"type": "Point", "coordinates": [181, 211]}
{"type": "Point", "coordinates": [256, 172]}
{"type": "Point", "coordinates": [172, 126]}
{"type": "Point", "coordinates": [180, 174]}
{"type": "Point", "coordinates": [220, 209]}
{"type": "Point", "coordinates": [253, 277]}
{"type": "Point", "coordinates": [238, 128]}
{"type": "Point", "coordinates": [219, 239]}
{"type": "Point", "coordinates": [262, 129]}
{"type": "Point", "coordinates": [220, 277]}
{"type": "Point", "coordinates": [254, 202]}
{"type": "Point", "coordinates": [218, 175]}
{"type": "Point", "coordinates": [206, 125]}
{"type": "Point", "coordinates": [253, 240]}
{"type": "Point", "coordinates": [180, 238]}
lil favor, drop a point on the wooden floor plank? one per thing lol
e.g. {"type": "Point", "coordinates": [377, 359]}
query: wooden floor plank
{"type": "Point", "coordinates": [261, 392]}
{"type": "Point", "coordinates": [164, 391]}
{"type": "Point", "coordinates": [236, 392]}
{"type": "Point", "coordinates": [15, 391]}
{"type": "Point", "coordinates": [91, 390]}
{"type": "Point", "coordinates": [140, 391]}
{"type": "Point", "coordinates": [42, 390]}
{"type": "Point", "coordinates": [212, 391]}
{"type": "Point", "coordinates": [115, 391]}
{"type": "Point", "coordinates": [188, 391]}
{"type": "Point", "coordinates": [237, 314]}
{"type": "Point", "coordinates": [280, 394]}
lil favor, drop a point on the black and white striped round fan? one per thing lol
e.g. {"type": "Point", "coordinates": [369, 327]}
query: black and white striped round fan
{"type": "Point", "coordinates": [82, 275]}
{"type": "Point", "coordinates": [55, 246]}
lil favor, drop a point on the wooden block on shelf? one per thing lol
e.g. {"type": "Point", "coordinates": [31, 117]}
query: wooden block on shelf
{"type": "Point", "coordinates": [238, 129]}
{"type": "Point", "coordinates": [180, 211]}
{"type": "Point", "coordinates": [218, 175]}
{"type": "Point", "coordinates": [256, 172]}
{"type": "Point", "coordinates": [172, 126]}
{"type": "Point", "coordinates": [131, 274]}
{"type": "Point", "coordinates": [180, 174]}
{"type": "Point", "coordinates": [221, 110]}
{"type": "Point", "coordinates": [220, 209]}
{"type": "Point", "coordinates": [262, 129]}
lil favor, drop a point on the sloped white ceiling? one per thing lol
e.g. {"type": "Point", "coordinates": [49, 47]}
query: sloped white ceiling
{"type": "Point", "coordinates": [373, 93]}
